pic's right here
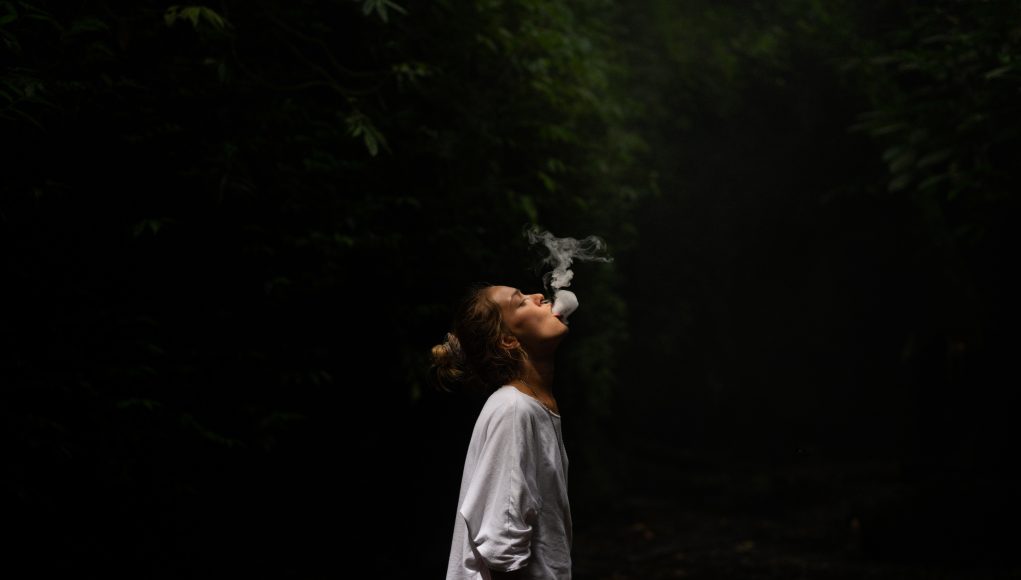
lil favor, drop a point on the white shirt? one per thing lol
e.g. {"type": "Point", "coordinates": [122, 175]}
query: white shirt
{"type": "Point", "coordinates": [513, 510]}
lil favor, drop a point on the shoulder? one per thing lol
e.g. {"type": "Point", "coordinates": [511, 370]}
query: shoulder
{"type": "Point", "coordinates": [507, 407]}
{"type": "Point", "coordinates": [500, 400]}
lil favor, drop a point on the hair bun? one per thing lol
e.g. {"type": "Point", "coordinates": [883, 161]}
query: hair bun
{"type": "Point", "coordinates": [454, 346]}
{"type": "Point", "coordinates": [448, 362]}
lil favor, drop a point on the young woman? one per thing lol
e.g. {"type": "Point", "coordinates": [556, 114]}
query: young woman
{"type": "Point", "coordinates": [513, 518]}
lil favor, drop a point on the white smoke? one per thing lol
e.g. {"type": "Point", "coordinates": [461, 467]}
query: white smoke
{"type": "Point", "coordinates": [562, 252]}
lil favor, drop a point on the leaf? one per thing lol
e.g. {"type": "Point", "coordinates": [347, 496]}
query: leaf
{"type": "Point", "coordinates": [529, 206]}
{"type": "Point", "coordinates": [547, 181]}
{"type": "Point", "coordinates": [892, 128]}
{"type": "Point", "coordinates": [371, 143]}
{"type": "Point", "coordinates": [937, 38]}
{"type": "Point", "coordinates": [555, 165]}
{"type": "Point", "coordinates": [998, 72]}
{"type": "Point", "coordinates": [932, 180]}
{"type": "Point", "coordinates": [902, 161]}
{"type": "Point", "coordinates": [88, 25]}
{"type": "Point", "coordinates": [892, 152]}
{"type": "Point", "coordinates": [12, 43]}
{"type": "Point", "coordinates": [360, 124]}
{"type": "Point", "coordinates": [395, 6]}
{"type": "Point", "coordinates": [407, 200]}
{"type": "Point", "coordinates": [11, 15]}
{"type": "Point", "coordinates": [380, 6]}
{"type": "Point", "coordinates": [194, 14]}
{"type": "Point", "coordinates": [189, 422]}
{"type": "Point", "coordinates": [152, 224]}
{"type": "Point", "coordinates": [170, 15]}
{"type": "Point", "coordinates": [486, 41]}
{"type": "Point", "coordinates": [277, 418]}
{"type": "Point", "coordinates": [28, 118]}
{"type": "Point", "coordinates": [899, 183]}
{"type": "Point", "coordinates": [147, 404]}
{"type": "Point", "coordinates": [935, 157]}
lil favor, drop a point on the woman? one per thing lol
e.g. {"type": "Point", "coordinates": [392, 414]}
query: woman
{"type": "Point", "coordinates": [513, 518]}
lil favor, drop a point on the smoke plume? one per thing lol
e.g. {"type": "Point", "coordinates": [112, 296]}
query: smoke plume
{"type": "Point", "coordinates": [562, 252]}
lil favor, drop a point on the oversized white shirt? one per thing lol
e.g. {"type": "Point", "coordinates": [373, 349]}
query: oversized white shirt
{"type": "Point", "coordinates": [513, 510]}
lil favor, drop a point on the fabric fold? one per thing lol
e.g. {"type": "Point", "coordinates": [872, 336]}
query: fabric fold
{"type": "Point", "coordinates": [513, 511]}
{"type": "Point", "coordinates": [500, 506]}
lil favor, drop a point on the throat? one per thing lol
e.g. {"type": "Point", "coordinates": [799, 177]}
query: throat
{"type": "Point", "coordinates": [544, 399]}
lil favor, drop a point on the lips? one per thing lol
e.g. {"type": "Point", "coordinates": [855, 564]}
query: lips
{"type": "Point", "coordinates": [556, 315]}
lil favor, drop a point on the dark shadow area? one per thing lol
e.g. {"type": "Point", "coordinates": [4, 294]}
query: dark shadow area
{"type": "Point", "coordinates": [233, 232]}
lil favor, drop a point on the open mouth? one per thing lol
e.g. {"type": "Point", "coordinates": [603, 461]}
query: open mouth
{"type": "Point", "coordinates": [559, 316]}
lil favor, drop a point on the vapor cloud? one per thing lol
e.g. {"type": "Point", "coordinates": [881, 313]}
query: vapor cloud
{"type": "Point", "coordinates": [562, 252]}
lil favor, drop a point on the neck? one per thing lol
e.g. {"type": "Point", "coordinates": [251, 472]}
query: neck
{"type": "Point", "coordinates": [538, 374]}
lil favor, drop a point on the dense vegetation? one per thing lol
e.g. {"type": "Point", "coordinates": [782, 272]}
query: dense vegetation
{"type": "Point", "coordinates": [234, 230]}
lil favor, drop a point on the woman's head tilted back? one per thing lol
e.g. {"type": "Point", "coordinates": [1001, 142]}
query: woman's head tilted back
{"type": "Point", "coordinates": [495, 330]}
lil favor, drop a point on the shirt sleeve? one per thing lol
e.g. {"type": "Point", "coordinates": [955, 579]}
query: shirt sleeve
{"type": "Point", "coordinates": [499, 507]}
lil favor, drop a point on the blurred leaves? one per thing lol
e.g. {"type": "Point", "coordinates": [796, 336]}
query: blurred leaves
{"type": "Point", "coordinates": [211, 248]}
{"type": "Point", "coordinates": [196, 15]}
{"type": "Point", "coordinates": [358, 124]}
{"type": "Point", "coordinates": [190, 424]}
{"type": "Point", "coordinates": [380, 7]}
{"type": "Point", "coordinates": [948, 113]}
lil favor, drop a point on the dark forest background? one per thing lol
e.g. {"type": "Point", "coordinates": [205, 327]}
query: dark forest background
{"type": "Point", "coordinates": [233, 231]}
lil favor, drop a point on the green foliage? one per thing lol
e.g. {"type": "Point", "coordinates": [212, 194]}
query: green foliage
{"type": "Point", "coordinates": [195, 15]}
{"type": "Point", "coordinates": [358, 124]}
{"type": "Point", "coordinates": [337, 148]}
{"type": "Point", "coordinates": [380, 7]}
{"type": "Point", "coordinates": [945, 113]}
{"type": "Point", "coordinates": [190, 424]}
{"type": "Point", "coordinates": [21, 89]}
{"type": "Point", "coordinates": [261, 210]}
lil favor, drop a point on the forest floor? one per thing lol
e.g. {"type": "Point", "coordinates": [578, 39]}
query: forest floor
{"type": "Point", "coordinates": [805, 521]}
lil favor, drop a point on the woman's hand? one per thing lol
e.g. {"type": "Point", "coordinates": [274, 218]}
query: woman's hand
{"type": "Point", "coordinates": [514, 575]}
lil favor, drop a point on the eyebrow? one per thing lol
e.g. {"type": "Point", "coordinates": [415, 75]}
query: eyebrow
{"type": "Point", "coordinates": [512, 296]}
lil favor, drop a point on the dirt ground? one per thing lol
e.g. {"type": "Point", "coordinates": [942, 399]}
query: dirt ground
{"type": "Point", "coordinates": [812, 521]}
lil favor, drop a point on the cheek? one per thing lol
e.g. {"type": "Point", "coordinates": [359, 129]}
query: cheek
{"type": "Point", "coordinates": [542, 320]}
{"type": "Point", "coordinates": [530, 319]}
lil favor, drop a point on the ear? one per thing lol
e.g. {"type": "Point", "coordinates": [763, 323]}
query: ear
{"type": "Point", "coordinates": [509, 341]}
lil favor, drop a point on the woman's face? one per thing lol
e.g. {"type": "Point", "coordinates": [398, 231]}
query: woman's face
{"type": "Point", "coordinates": [529, 319]}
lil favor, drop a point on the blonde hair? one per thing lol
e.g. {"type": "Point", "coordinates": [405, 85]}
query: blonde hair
{"type": "Point", "coordinates": [471, 358]}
